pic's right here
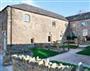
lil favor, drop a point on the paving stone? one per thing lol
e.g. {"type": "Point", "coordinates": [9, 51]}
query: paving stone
{"type": "Point", "coordinates": [72, 57]}
{"type": "Point", "coordinates": [4, 68]}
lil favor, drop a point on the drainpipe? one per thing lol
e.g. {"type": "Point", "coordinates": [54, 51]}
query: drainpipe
{"type": "Point", "coordinates": [11, 27]}
{"type": "Point", "coordinates": [9, 49]}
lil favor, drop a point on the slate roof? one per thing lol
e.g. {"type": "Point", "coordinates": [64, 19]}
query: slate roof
{"type": "Point", "coordinates": [37, 10]}
{"type": "Point", "coordinates": [78, 17]}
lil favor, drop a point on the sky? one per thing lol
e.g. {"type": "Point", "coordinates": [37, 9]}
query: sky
{"type": "Point", "coordinates": [62, 7]}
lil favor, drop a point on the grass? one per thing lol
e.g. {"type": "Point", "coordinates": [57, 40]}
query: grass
{"type": "Point", "coordinates": [43, 53]}
{"type": "Point", "coordinates": [74, 66]}
{"type": "Point", "coordinates": [70, 46]}
{"type": "Point", "coordinates": [86, 51]}
{"type": "Point", "coordinates": [64, 63]}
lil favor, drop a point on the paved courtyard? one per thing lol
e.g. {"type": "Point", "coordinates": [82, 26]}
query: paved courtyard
{"type": "Point", "coordinates": [4, 68]}
{"type": "Point", "coordinates": [1, 67]}
{"type": "Point", "coordinates": [72, 57]}
{"type": "Point", "coordinates": [69, 57]}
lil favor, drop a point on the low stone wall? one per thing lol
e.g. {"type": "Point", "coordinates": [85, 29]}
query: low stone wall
{"type": "Point", "coordinates": [23, 48]}
{"type": "Point", "coordinates": [29, 63]}
{"type": "Point", "coordinates": [28, 45]}
{"type": "Point", "coordinates": [24, 66]}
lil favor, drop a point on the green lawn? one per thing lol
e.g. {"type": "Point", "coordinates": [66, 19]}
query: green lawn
{"type": "Point", "coordinates": [43, 53]}
{"type": "Point", "coordinates": [86, 51]}
{"type": "Point", "coordinates": [74, 66]}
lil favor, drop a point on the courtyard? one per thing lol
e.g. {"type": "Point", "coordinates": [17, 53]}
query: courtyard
{"type": "Point", "coordinates": [72, 57]}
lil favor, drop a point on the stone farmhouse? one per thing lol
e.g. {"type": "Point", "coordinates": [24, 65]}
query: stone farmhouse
{"type": "Point", "coordinates": [79, 27]}
{"type": "Point", "coordinates": [23, 24]}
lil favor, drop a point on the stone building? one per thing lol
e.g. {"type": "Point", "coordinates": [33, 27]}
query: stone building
{"type": "Point", "coordinates": [23, 24]}
{"type": "Point", "coordinates": [79, 25]}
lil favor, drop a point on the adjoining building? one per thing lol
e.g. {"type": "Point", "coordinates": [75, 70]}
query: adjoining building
{"type": "Point", "coordinates": [79, 27]}
{"type": "Point", "coordinates": [23, 24]}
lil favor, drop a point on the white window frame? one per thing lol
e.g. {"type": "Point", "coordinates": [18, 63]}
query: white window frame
{"type": "Point", "coordinates": [85, 32]}
{"type": "Point", "coordinates": [26, 18]}
{"type": "Point", "coordinates": [83, 23]}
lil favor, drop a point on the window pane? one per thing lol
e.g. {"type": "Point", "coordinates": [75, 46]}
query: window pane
{"type": "Point", "coordinates": [53, 23]}
{"type": "Point", "coordinates": [83, 23]}
{"type": "Point", "coordinates": [85, 32]}
{"type": "Point", "coordinates": [26, 18]}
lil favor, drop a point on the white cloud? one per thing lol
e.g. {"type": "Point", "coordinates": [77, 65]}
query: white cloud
{"type": "Point", "coordinates": [4, 3]}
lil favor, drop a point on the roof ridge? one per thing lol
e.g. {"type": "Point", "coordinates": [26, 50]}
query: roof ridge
{"type": "Point", "coordinates": [38, 10]}
{"type": "Point", "coordinates": [79, 17]}
{"type": "Point", "coordinates": [36, 7]}
{"type": "Point", "coordinates": [79, 14]}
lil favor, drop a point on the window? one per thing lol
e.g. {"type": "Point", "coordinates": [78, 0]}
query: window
{"type": "Point", "coordinates": [50, 33]}
{"type": "Point", "coordinates": [60, 35]}
{"type": "Point", "coordinates": [49, 38]}
{"type": "Point", "coordinates": [26, 18]}
{"type": "Point", "coordinates": [85, 32]}
{"type": "Point", "coordinates": [32, 40]}
{"type": "Point", "coordinates": [83, 23]}
{"type": "Point", "coordinates": [53, 23]}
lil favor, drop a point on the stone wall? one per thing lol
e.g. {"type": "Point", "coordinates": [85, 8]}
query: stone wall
{"type": "Point", "coordinates": [3, 26]}
{"type": "Point", "coordinates": [39, 28]}
{"type": "Point", "coordinates": [79, 29]}
{"type": "Point", "coordinates": [24, 66]}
